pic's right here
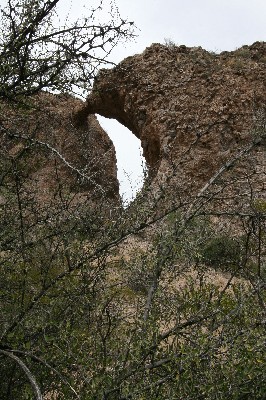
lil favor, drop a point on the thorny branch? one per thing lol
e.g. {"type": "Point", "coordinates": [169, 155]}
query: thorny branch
{"type": "Point", "coordinates": [36, 56]}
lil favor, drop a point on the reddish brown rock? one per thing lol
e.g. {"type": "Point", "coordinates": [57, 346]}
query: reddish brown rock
{"type": "Point", "coordinates": [192, 110]}
{"type": "Point", "coordinates": [57, 158]}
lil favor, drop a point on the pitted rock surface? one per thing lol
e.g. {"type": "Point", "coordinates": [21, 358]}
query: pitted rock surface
{"type": "Point", "coordinates": [79, 161]}
{"type": "Point", "coordinates": [191, 109]}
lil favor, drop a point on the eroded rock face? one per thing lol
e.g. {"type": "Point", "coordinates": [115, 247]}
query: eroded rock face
{"type": "Point", "coordinates": [191, 109]}
{"type": "Point", "coordinates": [57, 159]}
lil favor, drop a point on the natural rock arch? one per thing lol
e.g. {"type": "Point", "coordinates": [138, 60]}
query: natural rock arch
{"type": "Point", "coordinates": [191, 109]}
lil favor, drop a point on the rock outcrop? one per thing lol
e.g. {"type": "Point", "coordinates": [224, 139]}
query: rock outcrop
{"type": "Point", "coordinates": [192, 110]}
{"type": "Point", "coordinates": [58, 159]}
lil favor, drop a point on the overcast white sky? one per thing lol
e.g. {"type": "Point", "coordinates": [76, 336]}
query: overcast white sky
{"type": "Point", "coordinates": [212, 24]}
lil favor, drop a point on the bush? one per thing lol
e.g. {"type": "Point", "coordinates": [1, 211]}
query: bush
{"type": "Point", "coordinates": [223, 252]}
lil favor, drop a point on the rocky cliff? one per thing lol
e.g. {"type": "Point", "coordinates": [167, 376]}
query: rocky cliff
{"type": "Point", "coordinates": [192, 110]}
{"type": "Point", "coordinates": [56, 159]}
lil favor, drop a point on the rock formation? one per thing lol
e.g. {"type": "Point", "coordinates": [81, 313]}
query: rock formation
{"type": "Point", "coordinates": [192, 110]}
{"type": "Point", "coordinates": [56, 157]}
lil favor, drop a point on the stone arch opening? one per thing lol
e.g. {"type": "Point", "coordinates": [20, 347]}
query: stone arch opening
{"type": "Point", "coordinates": [131, 164]}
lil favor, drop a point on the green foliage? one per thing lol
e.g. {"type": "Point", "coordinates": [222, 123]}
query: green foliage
{"type": "Point", "coordinates": [197, 342]}
{"type": "Point", "coordinates": [260, 206]}
{"type": "Point", "coordinates": [139, 273]}
{"type": "Point", "coordinates": [223, 252]}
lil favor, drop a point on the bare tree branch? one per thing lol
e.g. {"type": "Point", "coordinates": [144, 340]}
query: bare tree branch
{"type": "Point", "coordinates": [30, 376]}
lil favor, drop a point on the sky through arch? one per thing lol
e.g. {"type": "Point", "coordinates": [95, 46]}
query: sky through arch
{"type": "Point", "coordinates": [130, 161]}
